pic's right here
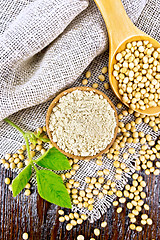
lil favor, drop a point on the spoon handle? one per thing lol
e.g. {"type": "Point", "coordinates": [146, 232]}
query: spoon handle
{"type": "Point", "coordinates": [119, 26]}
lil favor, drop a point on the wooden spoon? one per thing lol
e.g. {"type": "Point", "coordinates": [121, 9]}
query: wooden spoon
{"type": "Point", "coordinates": [53, 104]}
{"type": "Point", "coordinates": [121, 31]}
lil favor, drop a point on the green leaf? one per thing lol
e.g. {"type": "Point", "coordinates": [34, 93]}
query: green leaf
{"type": "Point", "coordinates": [51, 188]}
{"type": "Point", "coordinates": [21, 180]}
{"type": "Point", "coordinates": [54, 160]}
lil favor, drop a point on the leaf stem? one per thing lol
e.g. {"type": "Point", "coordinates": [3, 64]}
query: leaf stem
{"type": "Point", "coordinates": [36, 169]}
{"type": "Point", "coordinates": [23, 133]}
{"type": "Point", "coordinates": [44, 139]}
{"type": "Point", "coordinates": [42, 156]}
{"type": "Point", "coordinates": [27, 146]}
{"type": "Point", "coordinates": [14, 125]}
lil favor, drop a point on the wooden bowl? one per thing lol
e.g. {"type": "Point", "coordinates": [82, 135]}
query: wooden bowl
{"type": "Point", "coordinates": [55, 101]}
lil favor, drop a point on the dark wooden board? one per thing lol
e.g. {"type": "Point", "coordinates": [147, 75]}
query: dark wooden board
{"type": "Point", "coordinates": [40, 219]}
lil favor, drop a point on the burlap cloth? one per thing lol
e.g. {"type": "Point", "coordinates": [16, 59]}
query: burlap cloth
{"type": "Point", "coordinates": [45, 46]}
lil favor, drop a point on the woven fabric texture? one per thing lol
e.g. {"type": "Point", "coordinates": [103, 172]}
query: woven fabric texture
{"type": "Point", "coordinates": [45, 46]}
{"type": "Point", "coordinates": [37, 60]}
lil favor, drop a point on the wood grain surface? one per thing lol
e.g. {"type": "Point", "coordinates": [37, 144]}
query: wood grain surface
{"type": "Point", "coordinates": [40, 219]}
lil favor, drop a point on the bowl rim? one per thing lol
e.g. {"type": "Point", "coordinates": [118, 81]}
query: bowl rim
{"type": "Point", "coordinates": [53, 104]}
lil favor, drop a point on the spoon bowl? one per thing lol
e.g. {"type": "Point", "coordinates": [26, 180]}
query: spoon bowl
{"type": "Point", "coordinates": [121, 31]}
{"type": "Point", "coordinates": [114, 81]}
